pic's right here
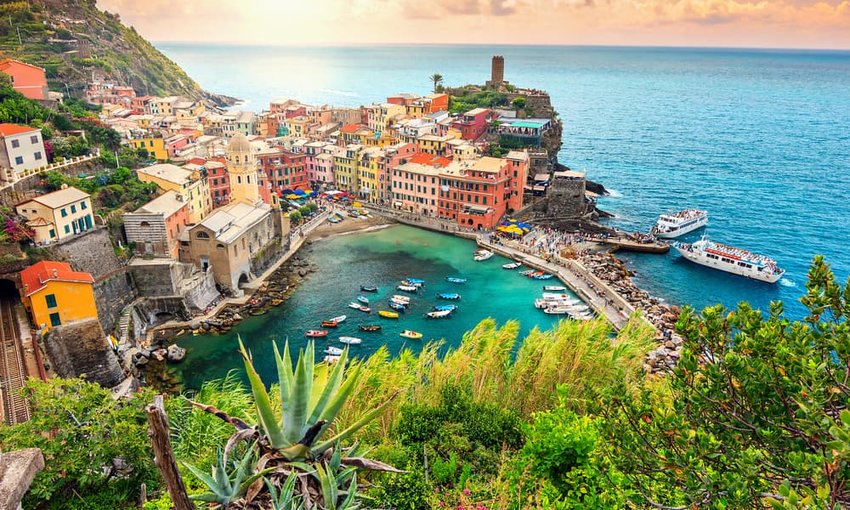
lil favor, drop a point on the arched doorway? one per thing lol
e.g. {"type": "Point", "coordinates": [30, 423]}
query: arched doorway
{"type": "Point", "coordinates": [243, 280]}
{"type": "Point", "coordinates": [8, 290]}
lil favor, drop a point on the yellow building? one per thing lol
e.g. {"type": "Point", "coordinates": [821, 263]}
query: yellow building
{"type": "Point", "coordinates": [58, 215]}
{"type": "Point", "coordinates": [368, 174]}
{"type": "Point", "coordinates": [433, 144]}
{"type": "Point", "coordinates": [154, 145]}
{"type": "Point", "coordinates": [346, 168]}
{"type": "Point", "coordinates": [298, 126]}
{"type": "Point", "coordinates": [191, 184]}
{"type": "Point", "coordinates": [54, 294]}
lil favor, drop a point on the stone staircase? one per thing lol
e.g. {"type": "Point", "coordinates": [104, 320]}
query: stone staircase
{"type": "Point", "coordinates": [124, 325]}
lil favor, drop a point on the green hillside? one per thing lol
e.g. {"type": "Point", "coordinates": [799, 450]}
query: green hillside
{"type": "Point", "coordinates": [74, 39]}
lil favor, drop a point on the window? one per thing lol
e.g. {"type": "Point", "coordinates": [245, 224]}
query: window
{"type": "Point", "coordinates": [52, 233]}
{"type": "Point", "coordinates": [83, 206]}
{"type": "Point", "coordinates": [55, 320]}
{"type": "Point", "coordinates": [38, 156]}
{"type": "Point", "coordinates": [63, 212]}
{"type": "Point", "coordinates": [19, 160]}
{"type": "Point", "coordinates": [67, 229]}
{"type": "Point", "coordinates": [73, 208]}
{"type": "Point", "coordinates": [51, 300]}
{"type": "Point", "coordinates": [16, 144]}
{"type": "Point", "coordinates": [202, 235]}
{"type": "Point", "coordinates": [34, 139]}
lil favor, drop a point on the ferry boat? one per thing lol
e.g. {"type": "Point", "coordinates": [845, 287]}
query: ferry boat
{"type": "Point", "coordinates": [731, 260]}
{"type": "Point", "coordinates": [670, 226]}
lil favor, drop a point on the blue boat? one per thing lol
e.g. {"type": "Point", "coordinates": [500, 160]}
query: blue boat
{"type": "Point", "coordinates": [454, 279]}
{"type": "Point", "coordinates": [449, 295]}
{"type": "Point", "coordinates": [445, 308]}
{"type": "Point", "coordinates": [396, 306]}
{"type": "Point", "coordinates": [415, 281]}
{"type": "Point", "coordinates": [542, 277]}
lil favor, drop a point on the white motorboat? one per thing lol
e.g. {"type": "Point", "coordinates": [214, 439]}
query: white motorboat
{"type": "Point", "coordinates": [401, 299]}
{"type": "Point", "coordinates": [554, 288]}
{"type": "Point", "coordinates": [482, 255]}
{"type": "Point", "coordinates": [512, 265]}
{"type": "Point", "coordinates": [407, 288]}
{"type": "Point", "coordinates": [350, 340]}
{"type": "Point", "coordinates": [339, 319]}
{"type": "Point", "coordinates": [331, 359]}
{"type": "Point", "coordinates": [677, 224]}
{"type": "Point", "coordinates": [440, 314]}
{"type": "Point", "coordinates": [731, 260]}
{"type": "Point", "coordinates": [333, 351]}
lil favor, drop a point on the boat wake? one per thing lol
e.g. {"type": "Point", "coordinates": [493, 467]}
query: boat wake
{"type": "Point", "coordinates": [612, 193]}
{"type": "Point", "coordinates": [785, 282]}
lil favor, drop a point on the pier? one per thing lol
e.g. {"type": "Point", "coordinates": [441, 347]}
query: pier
{"type": "Point", "coordinates": [627, 244]}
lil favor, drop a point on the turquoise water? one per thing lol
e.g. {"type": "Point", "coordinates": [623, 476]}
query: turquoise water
{"type": "Point", "coordinates": [381, 258]}
{"type": "Point", "coordinates": [759, 138]}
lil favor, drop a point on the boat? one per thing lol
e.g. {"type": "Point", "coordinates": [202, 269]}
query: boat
{"type": "Point", "coordinates": [339, 319]}
{"type": "Point", "coordinates": [731, 260]}
{"type": "Point", "coordinates": [670, 226]}
{"type": "Point", "coordinates": [556, 296]}
{"type": "Point", "coordinates": [407, 288]}
{"type": "Point", "coordinates": [331, 359]}
{"type": "Point", "coordinates": [453, 279]}
{"type": "Point", "coordinates": [334, 351]}
{"type": "Point", "coordinates": [443, 308]}
{"type": "Point", "coordinates": [408, 283]}
{"type": "Point", "coordinates": [416, 281]}
{"type": "Point", "coordinates": [388, 315]}
{"type": "Point", "coordinates": [535, 274]}
{"type": "Point", "coordinates": [329, 324]}
{"type": "Point", "coordinates": [512, 265]}
{"type": "Point", "coordinates": [482, 255]}
{"type": "Point", "coordinates": [316, 333]}
{"type": "Point", "coordinates": [400, 299]}
{"type": "Point", "coordinates": [354, 305]}
{"type": "Point", "coordinates": [397, 306]}
{"type": "Point", "coordinates": [368, 288]}
{"type": "Point", "coordinates": [365, 309]}
{"type": "Point", "coordinates": [452, 296]}
{"type": "Point", "coordinates": [545, 276]}
{"type": "Point", "coordinates": [413, 335]}
{"type": "Point", "coordinates": [371, 328]}
{"type": "Point", "coordinates": [557, 310]}
{"type": "Point", "coordinates": [554, 288]}
{"type": "Point", "coordinates": [527, 272]}
{"type": "Point", "coordinates": [276, 302]}
{"type": "Point", "coordinates": [350, 340]}
{"type": "Point", "coordinates": [439, 314]}
{"type": "Point", "coordinates": [363, 299]}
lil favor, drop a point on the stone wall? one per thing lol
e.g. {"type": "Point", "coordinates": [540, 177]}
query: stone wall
{"type": "Point", "coordinates": [162, 277]}
{"type": "Point", "coordinates": [81, 347]}
{"type": "Point", "coordinates": [111, 294]}
{"type": "Point", "coordinates": [149, 312]}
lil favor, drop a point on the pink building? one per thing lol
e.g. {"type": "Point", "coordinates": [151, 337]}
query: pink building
{"type": "Point", "coordinates": [474, 123]}
{"type": "Point", "coordinates": [393, 157]}
{"type": "Point", "coordinates": [416, 186]}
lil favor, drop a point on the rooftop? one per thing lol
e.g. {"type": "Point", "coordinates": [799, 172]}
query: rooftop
{"type": "Point", "coordinates": [421, 169]}
{"type": "Point", "coordinates": [35, 277]}
{"type": "Point", "coordinates": [168, 172]}
{"type": "Point", "coordinates": [487, 164]}
{"type": "Point", "coordinates": [14, 129]}
{"type": "Point", "coordinates": [520, 155]}
{"type": "Point", "coordinates": [477, 111]}
{"type": "Point", "coordinates": [166, 204]}
{"type": "Point", "coordinates": [231, 221]}
{"type": "Point", "coordinates": [60, 197]}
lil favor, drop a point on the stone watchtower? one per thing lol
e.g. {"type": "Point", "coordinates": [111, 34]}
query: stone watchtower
{"type": "Point", "coordinates": [242, 170]}
{"type": "Point", "coordinates": [497, 72]}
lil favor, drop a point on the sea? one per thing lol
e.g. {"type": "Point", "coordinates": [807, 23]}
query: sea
{"type": "Point", "coordinates": [759, 138]}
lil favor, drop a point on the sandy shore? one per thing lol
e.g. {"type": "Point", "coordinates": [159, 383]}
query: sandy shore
{"type": "Point", "coordinates": [348, 225]}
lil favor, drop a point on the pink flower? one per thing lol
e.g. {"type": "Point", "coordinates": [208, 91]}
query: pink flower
{"type": "Point", "coordinates": [466, 492]}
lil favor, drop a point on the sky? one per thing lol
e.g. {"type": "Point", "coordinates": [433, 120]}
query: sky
{"type": "Point", "coordinates": [720, 23]}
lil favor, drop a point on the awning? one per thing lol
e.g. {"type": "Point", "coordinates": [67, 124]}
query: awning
{"type": "Point", "coordinates": [539, 188]}
{"type": "Point", "coordinates": [541, 178]}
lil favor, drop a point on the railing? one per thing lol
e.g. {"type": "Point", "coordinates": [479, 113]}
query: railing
{"type": "Point", "coordinates": [66, 162]}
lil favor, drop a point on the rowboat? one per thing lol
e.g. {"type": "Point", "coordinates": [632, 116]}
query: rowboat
{"type": "Point", "coordinates": [388, 315]}
{"type": "Point", "coordinates": [400, 299]}
{"type": "Point", "coordinates": [339, 319]}
{"type": "Point", "coordinates": [316, 333]}
{"type": "Point", "coordinates": [407, 288]}
{"type": "Point", "coordinates": [408, 283]}
{"type": "Point", "coordinates": [350, 340]}
{"type": "Point", "coordinates": [365, 309]}
{"type": "Point", "coordinates": [363, 299]}
{"type": "Point", "coordinates": [449, 295]}
{"type": "Point", "coordinates": [413, 335]}
{"type": "Point", "coordinates": [368, 288]}
{"type": "Point", "coordinates": [333, 351]}
{"type": "Point", "coordinates": [371, 328]}
{"type": "Point", "coordinates": [329, 324]}
{"type": "Point", "coordinates": [511, 265]}
{"type": "Point", "coordinates": [527, 272]}
{"type": "Point", "coordinates": [438, 315]}
{"type": "Point", "coordinates": [443, 308]}
{"type": "Point", "coordinates": [482, 255]}
{"type": "Point", "coordinates": [395, 305]}
{"type": "Point", "coordinates": [545, 276]}
{"type": "Point", "coordinates": [416, 281]}
{"type": "Point", "coordinates": [554, 288]}
{"type": "Point", "coordinates": [354, 305]}
{"type": "Point", "coordinates": [452, 279]}
{"type": "Point", "coordinates": [532, 274]}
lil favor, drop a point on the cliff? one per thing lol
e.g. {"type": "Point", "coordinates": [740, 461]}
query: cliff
{"type": "Point", "coordinates": [74, 40]}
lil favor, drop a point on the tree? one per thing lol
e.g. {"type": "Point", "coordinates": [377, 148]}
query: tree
{"type": "Point", "coordinates": [437, 80]}
{"type": "Point", "coordinates": [754, 413]}
{"type": "Point", "coordinates": [519, 103]}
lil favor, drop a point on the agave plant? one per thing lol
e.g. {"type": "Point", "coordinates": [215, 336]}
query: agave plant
{"type": "Point", "coordinates": [310, 402]}
{"type": "Point", "coordinates": [285, 499]}
{"type": "Point", "coordinates": [229, 480]}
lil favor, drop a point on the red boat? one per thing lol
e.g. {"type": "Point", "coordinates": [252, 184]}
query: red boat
{"type": "Point", "coordinates": [328, 324]}
{"type": "Point", "coordinates": [317, 333]}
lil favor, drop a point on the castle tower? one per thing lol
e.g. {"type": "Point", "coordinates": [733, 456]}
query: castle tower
{"type": "Point", "coordinates": [497, 70]}
{"type": "Point", "coordinates": [242, 170]}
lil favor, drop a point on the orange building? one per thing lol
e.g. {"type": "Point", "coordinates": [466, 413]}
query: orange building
{"type": "Point", "coordinates": [55, 294]}
{"type": "Point", "coordinates": [437, 103]}
{"type": "Point", "coordinates": [475, 194]}
{"type": "Point", "coordinates": [27, 79]}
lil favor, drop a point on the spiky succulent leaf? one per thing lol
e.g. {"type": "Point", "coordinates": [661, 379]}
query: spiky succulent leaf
{"type": "Point", "coordinates": [294, 420]}
{"type": "Point", "coordinates": [330, 389]}
{"type": "Point", "coordinates": [348, 503]}
{"type": "Point", "coordinates": [327, 481]}
{"type": "Point", "coordinates": [338, 399]}
{"type": "Point", "coordinates": [266, 418]}
{"type": "Point", "coordinates": [209, 481]}
{"type": "Point", "coordinates": [359, 424]}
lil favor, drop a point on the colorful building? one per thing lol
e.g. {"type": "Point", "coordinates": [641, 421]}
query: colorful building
{"type": "Point", "coordinates": [155, 146]}
{"type": "Point", "coordinates": [433, 144]}
{"type": "Point", "coordinates": [368, 173]}
{"type": "Point", "coordinates": [155, 227]}
{"type": "Point", "coordinates": [518, 165]}
{"type": "Point", "coordinates": [474, 123]}
{"type": "Point", "coordinates": [27, 79]}
{"type": "Point", "coordinates": [54, 294]}
{"type": "Point", "coordinates": [475, 194]}
{"type": "Point", "coordinates": [193, 185]}
{"type": "Point", "coordinates": [58, 215]}
{"type": "Point", "coordinates": [416, 186]}
{"type": "Point", "coordinates": [346, 163]}
{"type": "Point", "coordinates": [21, 149]}
{"type": "Point", "coordinates": [218, 180]}
{"type": "Point", "coordinates": [391, 158]}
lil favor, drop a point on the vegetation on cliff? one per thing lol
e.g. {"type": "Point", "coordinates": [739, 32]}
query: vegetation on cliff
{"type": "Point", "coordinates": [755, 415]}
{"type": "Point", "coordinates": [71, 39]}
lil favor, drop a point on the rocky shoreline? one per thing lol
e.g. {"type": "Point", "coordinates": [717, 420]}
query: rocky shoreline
{"type": "Point", "coordinates": [614, 272]}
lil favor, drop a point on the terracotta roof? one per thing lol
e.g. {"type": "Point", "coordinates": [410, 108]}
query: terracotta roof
{"type": "Point", "coordinates": [14, 129]}
{"type": "Point", "coordinates": [35, 277]}
{"type": "Point", "coordinates": [423, 158]}
{"type": "Point", "coordinates": [351, 128]}
{"type": "Point", "coordinates": [7, 62]}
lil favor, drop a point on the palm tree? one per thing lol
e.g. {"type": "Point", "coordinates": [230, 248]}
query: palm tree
{"type": "Point", "coordinates": [437, 78]}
